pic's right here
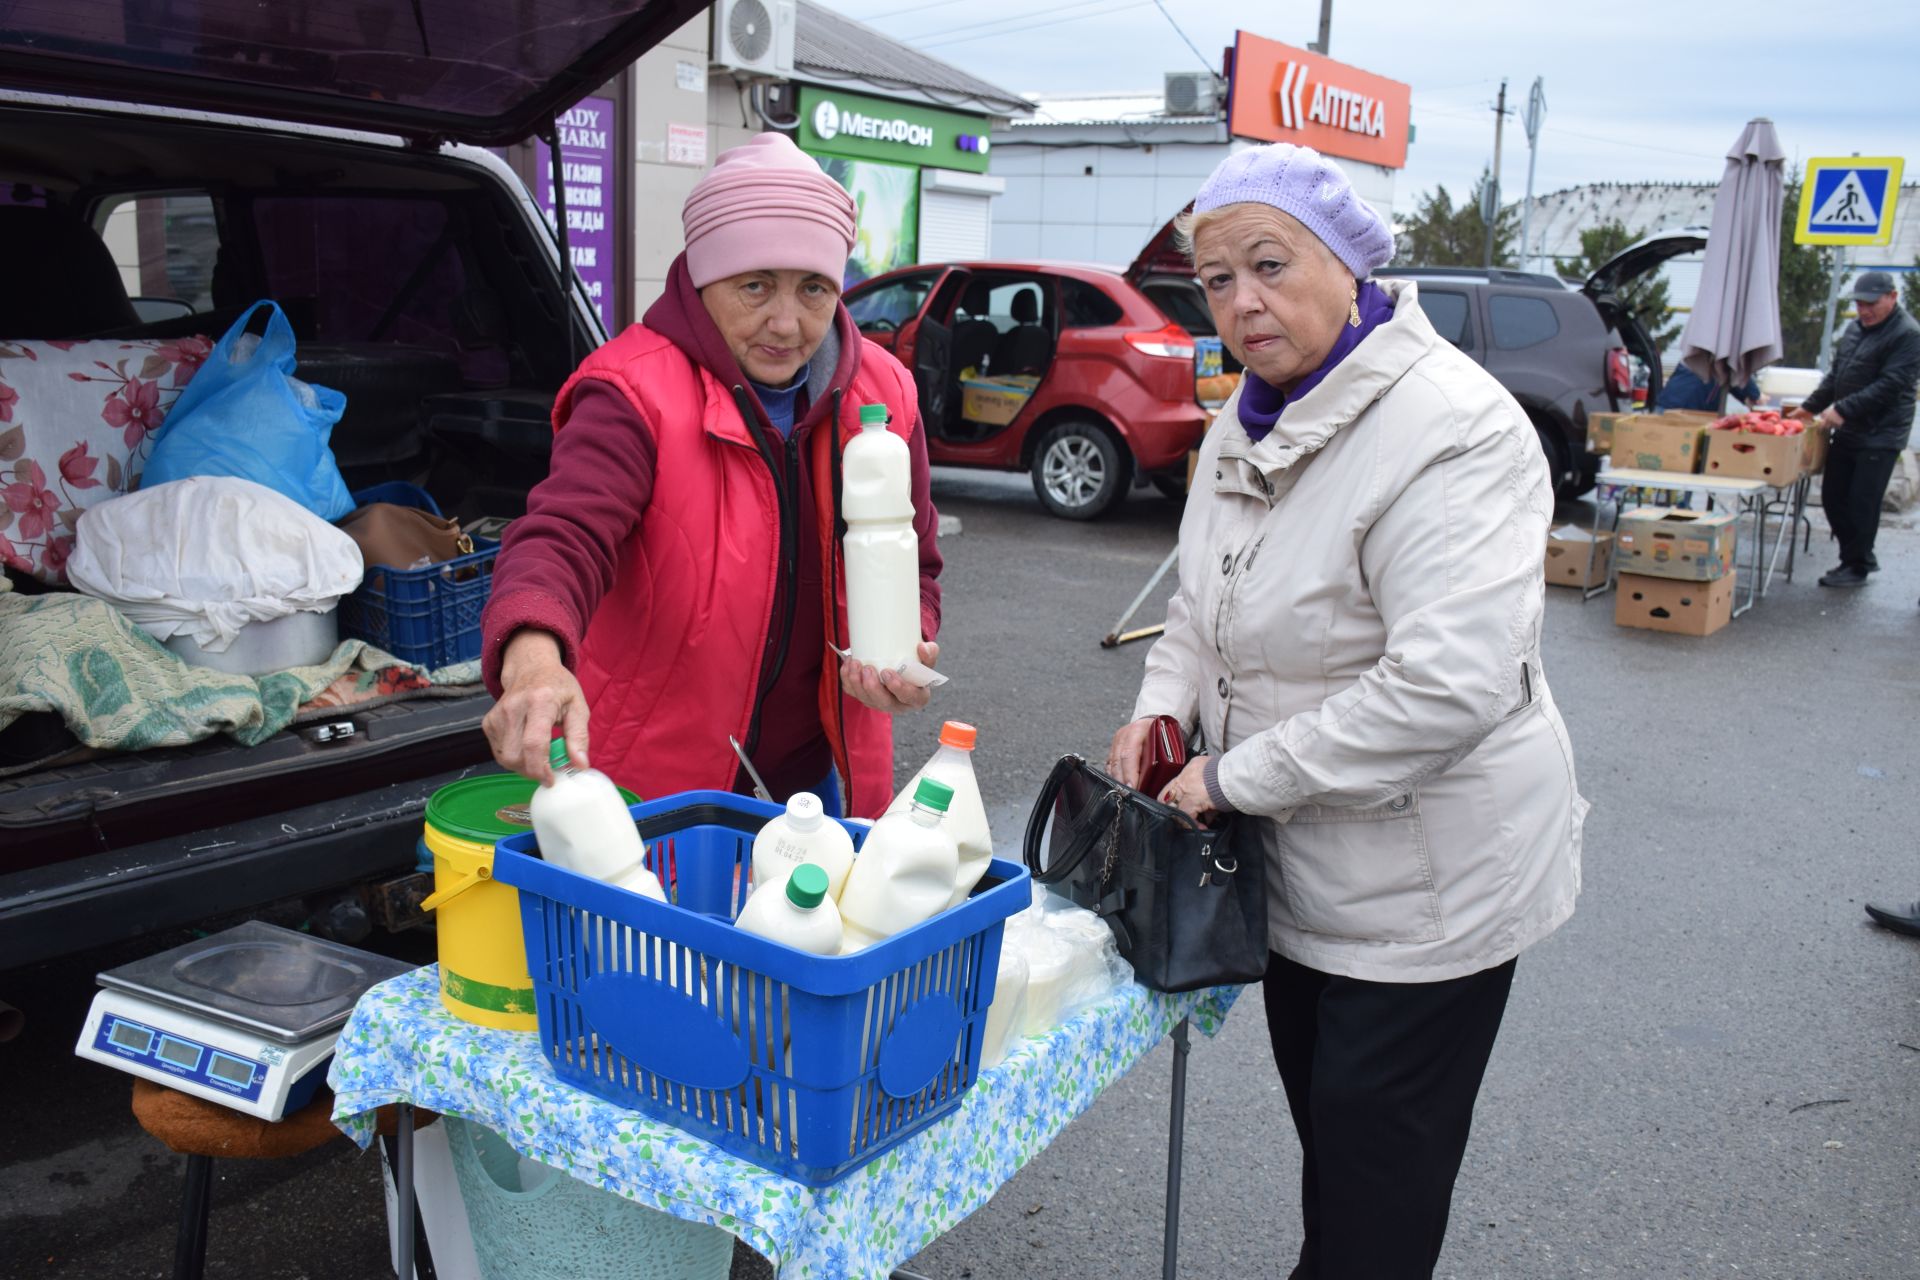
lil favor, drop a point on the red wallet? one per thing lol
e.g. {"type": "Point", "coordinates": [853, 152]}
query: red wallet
{"type": "Point", "coordinates": [1164, 755]}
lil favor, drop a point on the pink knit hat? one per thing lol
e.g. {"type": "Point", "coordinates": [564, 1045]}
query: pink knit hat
{"type": "Point", "coordinates": [767, 206]}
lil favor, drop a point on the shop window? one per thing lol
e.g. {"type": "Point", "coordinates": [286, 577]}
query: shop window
{"type": "Point", "coordinates": [1449, 315]}
{"type": "Point", "coordinates": [891, 306]}
{"type": "Point", "coordinates": [164, 245]}
{"type": "Point", "coordinates": [1086, 307]}
{"type": "Point", "coordinates": [1520, 322]}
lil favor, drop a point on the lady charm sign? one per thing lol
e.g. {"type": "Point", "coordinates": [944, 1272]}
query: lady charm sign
{"type": "Point", "coordinates": [588, 161]}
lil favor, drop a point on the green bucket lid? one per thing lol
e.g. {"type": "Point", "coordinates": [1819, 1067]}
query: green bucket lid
{"type": "Point", "coordinates": [488, 809]}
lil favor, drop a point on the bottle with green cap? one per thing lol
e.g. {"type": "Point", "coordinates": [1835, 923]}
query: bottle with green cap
{"type": "Point", "coordinates": [883, 552]}
{"type": "Point", "coordinates": [795, 909]}
{"type": "Point", "coordinates": [905, 873]}
{"type": "Point", "coordinates": [581, 822]}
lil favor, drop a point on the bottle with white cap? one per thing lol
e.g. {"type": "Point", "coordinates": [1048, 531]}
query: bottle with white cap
{"type": "Point", "coordinates": [582, 823]}
{"type": "Point", "coordinates": [795, 910]}
{"type": "Point", "coordinates": [952, 763]}
{"type": "Point", "coordinates": [883, 552]}
{"type": "Point", "coordinates": [802, 834]}
{"type": "Point", "coordinates": [905, 871]}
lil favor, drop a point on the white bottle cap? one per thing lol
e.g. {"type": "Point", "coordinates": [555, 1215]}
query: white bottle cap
{"type": "Point", "coordinates": [805, 812]}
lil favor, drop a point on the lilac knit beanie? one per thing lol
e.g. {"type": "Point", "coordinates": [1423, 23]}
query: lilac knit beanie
{"type": "Point", "coordinates": [1304, 183]}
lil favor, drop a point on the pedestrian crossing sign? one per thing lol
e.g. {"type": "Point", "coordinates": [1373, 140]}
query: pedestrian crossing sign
{"type": "Point", "coordinates": [1849, 200]}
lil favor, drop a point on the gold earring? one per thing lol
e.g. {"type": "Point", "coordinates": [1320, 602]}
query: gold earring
{"type": "Point", "coordinates": [1353, 308]}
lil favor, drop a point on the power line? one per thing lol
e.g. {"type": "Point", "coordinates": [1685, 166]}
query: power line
{"type": "Point", "coordinates": [920, 39]}
{"type": "Point", "coordinates": [1052, 22]}
{"type": "Point", "coordinates": [1183, 35]}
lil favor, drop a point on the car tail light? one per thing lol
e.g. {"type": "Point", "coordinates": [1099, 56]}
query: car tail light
{"type": "Point", "coordinates": [1171, 343]}
{"type": "Point", "coordinates": [1619, 374]}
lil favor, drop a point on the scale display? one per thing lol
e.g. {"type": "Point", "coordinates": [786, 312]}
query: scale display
{"type": "Point", "coordinates": [180, 1058]}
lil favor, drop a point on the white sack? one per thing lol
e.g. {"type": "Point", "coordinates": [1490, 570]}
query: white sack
{"type": "Point", "coordinates": [206, 556]}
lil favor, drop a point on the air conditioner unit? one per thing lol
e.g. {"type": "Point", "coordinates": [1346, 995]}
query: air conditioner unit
{"type": "Point", "coordinates": [754, 37]}
{"type": "Point", "coordinates": [1193, 93]}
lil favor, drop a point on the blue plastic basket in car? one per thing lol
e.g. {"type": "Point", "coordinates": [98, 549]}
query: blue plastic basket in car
{"type": "Point", "coordinates": [807, 1065]}
{"type": "Point", "coordinates": [428, 617]}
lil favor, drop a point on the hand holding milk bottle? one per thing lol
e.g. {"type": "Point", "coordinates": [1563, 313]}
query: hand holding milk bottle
{"type": "Point", "coordinates": [952, 763]}
{"type": "Point", "coordinates": [905, 871]}
{"type": "Point", "coordinates": [582, 823]}
{"type": "Point", "coordinates": [883, 551]}
{"type": "Point", "coordinates": [801, 835]}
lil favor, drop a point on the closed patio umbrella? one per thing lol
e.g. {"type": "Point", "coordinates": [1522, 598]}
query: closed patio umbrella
{"type": "Point", "coordinates": [1734, 330]}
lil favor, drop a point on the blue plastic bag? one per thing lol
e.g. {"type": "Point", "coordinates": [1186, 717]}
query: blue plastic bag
{"type": "Point", "coordinates": [244, 415]}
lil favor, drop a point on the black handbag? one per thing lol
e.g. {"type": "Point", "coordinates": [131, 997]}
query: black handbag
{"type": "Point", "coordinates": [1187, 904]}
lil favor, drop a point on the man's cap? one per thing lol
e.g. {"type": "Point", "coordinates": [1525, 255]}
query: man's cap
{"type": "Point", "coordinates": [1872, 285]}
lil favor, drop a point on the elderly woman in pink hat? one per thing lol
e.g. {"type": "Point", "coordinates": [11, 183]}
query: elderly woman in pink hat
{"type": "Point", "coordinates": [677, 578]}
{"type": "Point", "coordinates": [1356, 639]}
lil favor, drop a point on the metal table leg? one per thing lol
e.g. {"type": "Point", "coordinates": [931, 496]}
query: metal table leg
{"type": "Point", "coordinates": [1176, 1136]}
{"type": "Point", "coordinates": [403, 1176]}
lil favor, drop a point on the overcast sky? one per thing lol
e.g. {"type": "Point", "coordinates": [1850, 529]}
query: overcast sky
{"type": "Point", "coordinates": [1637, 90]}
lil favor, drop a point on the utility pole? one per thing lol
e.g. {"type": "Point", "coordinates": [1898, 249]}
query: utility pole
{"type": "Point", "coordinates": [1535, 117]}
{"type": "Point", "coordinates": [1326, 26]}
{"type": "Point", "coordinates": [1490, 207]}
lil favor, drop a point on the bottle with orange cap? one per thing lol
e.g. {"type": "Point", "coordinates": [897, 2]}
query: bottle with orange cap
{"type": "Point", "coordinates": [952, 763]}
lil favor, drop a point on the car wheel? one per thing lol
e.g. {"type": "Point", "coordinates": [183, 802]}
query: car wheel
{"type": "Point", "coordinates": [1559, 457]}
{"type": "Point", "coordinates": [1079, 472]}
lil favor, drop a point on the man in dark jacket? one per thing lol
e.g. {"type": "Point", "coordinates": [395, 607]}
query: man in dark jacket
{"type": "Point", "coordinates": [1867, 398]}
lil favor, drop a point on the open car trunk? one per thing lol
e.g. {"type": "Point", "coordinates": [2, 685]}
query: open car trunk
{"type": "Point", "coordinates": [1646, 255]}
{"type": "Point", "coordinates": [420, 286]}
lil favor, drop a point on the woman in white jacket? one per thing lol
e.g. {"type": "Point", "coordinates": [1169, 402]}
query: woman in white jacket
{"type": "Point", "coordinates": [1357, 636]}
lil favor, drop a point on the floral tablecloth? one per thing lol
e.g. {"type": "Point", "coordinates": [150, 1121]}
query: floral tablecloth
{"type": "Point", "coordinates": [402, 1045]}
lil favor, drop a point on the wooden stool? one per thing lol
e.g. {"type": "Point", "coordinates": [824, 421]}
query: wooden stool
{"type": "Point", "coordinates": [201, 1130]}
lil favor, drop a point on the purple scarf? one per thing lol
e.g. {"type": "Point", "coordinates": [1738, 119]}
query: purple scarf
{"type": "Point", "coordinates": [1262, 403]}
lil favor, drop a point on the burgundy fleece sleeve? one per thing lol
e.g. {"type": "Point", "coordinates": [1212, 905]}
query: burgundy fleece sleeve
{"type": "Point", "coordinates": [557, 561]}
{"type": "Point", "coordinates": [926, 524]}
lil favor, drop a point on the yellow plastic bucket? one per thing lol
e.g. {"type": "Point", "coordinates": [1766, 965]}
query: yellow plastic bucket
{"type": "Point", "coordinates": [483, 955]}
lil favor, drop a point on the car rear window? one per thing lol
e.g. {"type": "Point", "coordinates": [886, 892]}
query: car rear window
{"type": "Point", "coordinates": [1086, 307]}
{"type": "Point", "coordinates": [1448, 313]}
{"type": "Point", "coordinates": [376, 268]}
{"type": "Point", "coordinates": [1184, 306]}
{"type": "Point", "coordinates": [1519, 322]}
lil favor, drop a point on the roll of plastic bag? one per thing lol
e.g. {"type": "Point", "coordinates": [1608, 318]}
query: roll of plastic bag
{"type": "Point", "coordinates": [206, 556]}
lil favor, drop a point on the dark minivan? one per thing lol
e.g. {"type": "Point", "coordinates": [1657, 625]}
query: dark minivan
{"type": "Point", "coordinates": [328, 155]}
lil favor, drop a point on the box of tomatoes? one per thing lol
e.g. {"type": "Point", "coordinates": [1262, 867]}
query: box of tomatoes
{"type": "Point", "coordinates": [1758, 446]}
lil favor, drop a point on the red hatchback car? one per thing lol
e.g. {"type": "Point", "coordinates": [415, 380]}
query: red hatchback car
{"type": "Point", "coordinates": [1074, 373]}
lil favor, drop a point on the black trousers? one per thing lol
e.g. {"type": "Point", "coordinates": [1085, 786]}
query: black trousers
{"type": "Point", "coordinates": [1850, 491]}
{"type": "Point", "coordinates": [1381, 1078]}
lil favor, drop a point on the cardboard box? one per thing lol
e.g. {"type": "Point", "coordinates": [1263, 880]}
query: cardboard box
{"type": "Point", "coordinates": [1576, 558]}
{"type": "Point", "coordinates": [1665, 604]}
{"type": "Point", "coordinates": [1818, 441]}
{"type": "Point", "coordinates": [1600, 431]}
{"type": "Point", "coordinates": [1658, 442]}
{"type": "Point", "coordinates": [995, 401]}
{"type": "Point", "coordinates": [1744, 455]}
{"type": "Point", "coordinates": [1661, 542]}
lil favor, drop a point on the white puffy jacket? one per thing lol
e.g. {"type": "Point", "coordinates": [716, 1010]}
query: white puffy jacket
{"type": "Point", "coordinates": [1358, 623]}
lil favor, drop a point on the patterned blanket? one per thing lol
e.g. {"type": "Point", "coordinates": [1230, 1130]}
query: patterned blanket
{"type": "Point", "coordinates": [117, 688]}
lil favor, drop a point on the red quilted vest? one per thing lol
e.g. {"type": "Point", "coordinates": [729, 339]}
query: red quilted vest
{"type": "Point", "coordinates": [672, 657]}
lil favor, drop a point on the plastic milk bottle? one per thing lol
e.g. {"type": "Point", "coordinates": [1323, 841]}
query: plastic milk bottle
{"type": "Point", "coordinates": [883, 552]}
{"type": "Point", "coordinates": [952, 763]}
{"type": "Point", "coordinates": [802, 834]}
{"type": "Point", "coordinates": [582, 824]}
{"type": "Point", "coordinates": [796, 910]}
{"type": "Point", "coordinates": [904, 873]}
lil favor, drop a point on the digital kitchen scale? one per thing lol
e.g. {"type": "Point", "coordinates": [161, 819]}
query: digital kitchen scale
{"type": "Point", "coordinates": [246, 1018]}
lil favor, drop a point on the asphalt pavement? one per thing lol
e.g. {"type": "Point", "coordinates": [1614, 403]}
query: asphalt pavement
{"type": "Point", "coordinates": [1711, 1070]}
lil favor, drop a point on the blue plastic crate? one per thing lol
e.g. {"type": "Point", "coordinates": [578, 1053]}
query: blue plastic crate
{"type": "Point", "coordinates": [398, 492]}
{"type": "Point", "coordinates": [810, 1066]}
{"type": "Point", "coordinates": [428, 617]}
